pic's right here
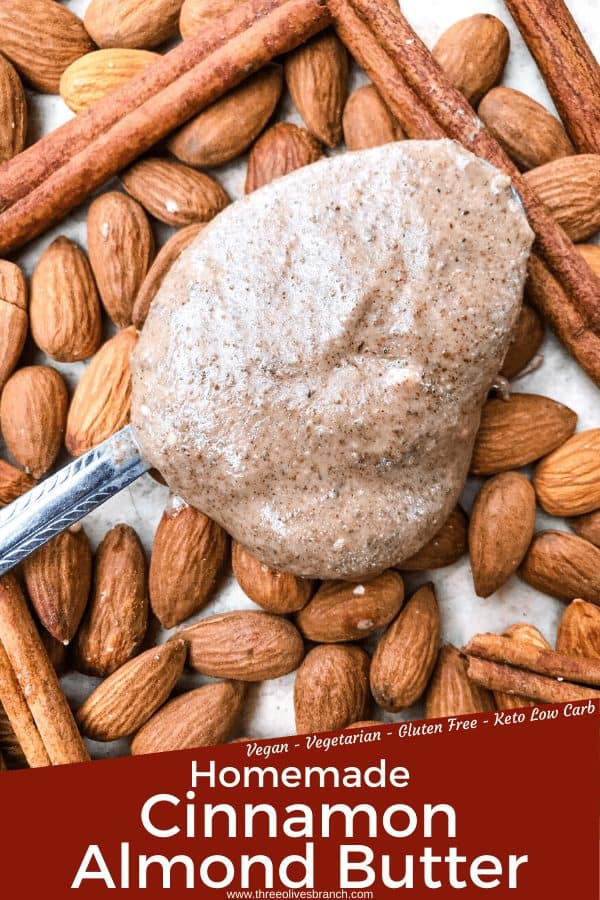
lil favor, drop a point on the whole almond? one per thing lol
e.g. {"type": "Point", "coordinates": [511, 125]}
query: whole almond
{"type": "Point", "coordinates": [33, 416]}
{"type": "Point", "coordinates": [473, 53]}
{"type": "Point", "coordinates": [406, 654]}
{"type": "Point", "coordinates": [317, 77]}
{"type": "Point", "coordinates": [570, 188]}
{"type": "Point", "coordinates": [275, 591]}
{"type": "Point", "coordinates": [579, 630]}
{"type": "Point", "coordinates": [367, 121]}
{"type": "Point", "coordinates": [200, 718]}
{"type": "Point", "coordinates": [529, 134]}
{"type": "Point", "coordinates": [13, 112]}
{"type": "Point", "coordinates": [101, 402]}
{"type": "Point", "coordinates": [450, 692]}
{"type": "Point", "coordinates": [197, 14]}
{"type": "Point", "coordinates": [279, 151]}
{"type": "Point", "coordinates": [244, 645]}
{"type": "Point", "coordinates": [93, 76]}
{"type": "Point", "coordinates": [563, 565]}
{"type": "Point", "coordinates": [187, 555]}
{"type": "Point", "coordinates": [56, 650]}
{"type": "Point", "coordinates": [13, 483]}
{"type": "Point", "coordinates": [591, 254]}
{"type": "Point", "coordinates": [342, 611]}
{"type": "Point", "coordinates": [519, 431]}
{"type": "Point", "coordinates": [115, 620]}
{"type": "Point", "coordinates": [41, 38]}
{"type": "Point", "coordinates": [522, 631]}
{"type": "Point", "coordinates": [174, 193]}
{"type": "Point", "coordinates": [66, 320]}
{"type": "Point", "coordinates": [331, 688]}
{"type": "Point", "coordinates": [526, 340]}
{"type": "Point", "coordinates": [567, 482]}
{"type": "Point", "coordinates": [121, 248]}
{"type": "Point", "coordinates": [227, 128]}
{"type": "Point", "coordinates": [13, 317]}
{"type": "Point", "coordinates": [500, 531]}
{"type": "Point", "coordinates": [137, 24]}
{"type": "Point", "coordinates": [588, 527]}
{"type": "Point", "coordinates": [58, 578]}
{"type": "Point", "coordinates": [444, 549]}
{"type": "Point", "coordinates": [127, 698]}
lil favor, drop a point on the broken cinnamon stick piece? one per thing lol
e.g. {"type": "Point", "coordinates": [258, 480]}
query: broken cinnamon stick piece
{"type": "Point", "coordinates": [501, 649]}
{"type": "Point", "coordinates": [500, 677]}
{"type": "Point", "coordinates": [19, 715]}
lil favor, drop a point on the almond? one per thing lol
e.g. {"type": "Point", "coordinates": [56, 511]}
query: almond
{"type": "Point", "coordinates": [188, 553]}
{"type": "Point", "coordinates": [588, 527]}
{"type": "Point", "coordinates": [277, 592]}
{"type": "Point", "coordinates": [450, 692]}
{"type": "Point", "coordinates": [406, 654]}
{"type": "Point", "coordinates": [33, 416]}
{"type": "Point", "coordinates": [567, 482]}
{"type": "Point", "coordinates": [367, 121]}
{"type": "Point", "coordinates": [570, 188]}
{"type": "Point", "coordinates": [519, 431]}
{"type": "Point", "coordinates": [127, 698]}
{"type": "Point", "coordinates": [529, 134]}
{"type": "Point", "coordinates": [42, 38]}
{"type": "Point", "coordinates": [174, 193]}
{"type": "Point", "coordinates": [317, 78]}
{"type": "Point", "coordinates": [445, 548]}
{"type": "Point", "coordinates": [244, 645]}
{"type": "Point", "coordinates": [526, 340]}
{"type": "Point", "coordinates": [101, 403]}
{"type": "Point", "coordinates": [279, 151]}
{"type": "Point", "coordinates": [93, 76]}
{"type": "Point", "coordinates": [115, 621]}
{"type": "Point", "coordinates": [528, 633]}
{"type": "Point", "coordinates": [227, 128]}
{"type": "Point", "coordinates": [58, 578]}
{"type": "Point", "coordinates": [13, 112]}
{"type": "Point", "coordinates": [342, 611]}
{"type": "Point", "coordinates": [473, 53]}
{"type": "Point", "coordinates": [591, 254]}
{"type": "Point", "coordinates": [563, 565]}
{"type": "Point", "coordinates": [500, 531]}
{"type": "Point", "coordinates": [121, 248]}
{"type": "Point", "coordinates": [331, 689]}
{"type": "Point", "coordinates": [137, 24]}
{"type": "Point", "coordinates": [66, 321]}
{"type": "Point", "coordinates": [13, 483]}
{"type": "Point", "coordinates": [56, 650]}
{"type": "Point", "coordinates": [200, 718]}
{"type": "Point", "coordinates": [13, 317]}
{"type": "Point", "coordinates": [197, 14]}
{"type": "Point", "coordinates": [579, 630]}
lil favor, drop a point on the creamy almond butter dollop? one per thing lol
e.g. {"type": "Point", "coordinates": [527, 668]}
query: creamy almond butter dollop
{"type": "Point", "coordinates": [312, 370]}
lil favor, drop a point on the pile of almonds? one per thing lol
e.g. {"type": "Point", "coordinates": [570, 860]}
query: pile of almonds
{"type": "Point", "coordinates": [354, 646]}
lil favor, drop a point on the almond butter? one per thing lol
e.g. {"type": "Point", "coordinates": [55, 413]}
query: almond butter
{"type": "Point", "coordinates": [342, 611]}
{"type": "Point", "coordinates": [197, 14]}
{"type": "Point", "coordinates": [563, 565]}
{"type": "Point", "coordinates": [331, 688]}
{"type": "Point", "coordinates": [136, 24]}
{"type": "Point", "coordinates": [591, 254]}
{"type": "Point", "coordinates": [275, 591]}
{"type": "Point", "coordinates": [93, 76]}
{"type": "Point", "coordinates": [567, 482]}
{"type": "Point", "coordinates": [367, 121]}
{"type": "Point", "coordinates": [526, 340]}
{"type": "Point", "coordinates": [174, 193]}
{"type": "Point", "coordinates": [444, 549]}
{"type": "Point", "coordinates": [33, 416]}
{"type": "Point", "coordinates": [450, 692]}
{"type": "Point", "coordinates": [317, 78]}
{"type": "Point", "coordinates": [473, 53]}
{"type": "Point", "coordinates": [13, 317]}
{"type": "Point", "coordinates": [519, 431]}
{"type": "Point", "coordinates": [579, 630]}
{"type": "Point", "coordinates": [13, 112]}
{"type": "Point", "coordinates": [522, 631]}
{"type": "Point", "coordinates": [570, 188]}
{"type": "Point", "coordinates": [588, 526]}
{"type": "Point", "coordinates": [13, 483]}
{"type": "Point", "coordinates": [279, 151]}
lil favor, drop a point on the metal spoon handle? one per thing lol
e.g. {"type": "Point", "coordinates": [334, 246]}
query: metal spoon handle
{"type": "Point", "coordinates": [67, 496]}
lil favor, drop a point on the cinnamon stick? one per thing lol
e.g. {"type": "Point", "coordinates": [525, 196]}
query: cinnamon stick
{"type": "Point", "coordinates": [499, 677]}
{"type": "Point", "coordinates": [19, 715]}
{"type": "Point", "coordinates": [501, 649]}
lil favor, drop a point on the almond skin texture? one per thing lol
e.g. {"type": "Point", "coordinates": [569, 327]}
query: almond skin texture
{"type": "Point", "coordinates": [13, 483]}
{"type": "Point", "coordinates": [331, 688]}
{"type": "Point", "coordinates": [563, 565]}
{"type": "Point", "coordinates": [275, 591]}
{"type": "Point", "coordinates": [41, 38]}
{"type": "Point", "coordinates": [279, 151]}
{"type": "Point", "coordinates": [405, 656]}
{"type": "Point", "coordinates": [13, 317]}
{"type": "Point", "coordinates": [591, 254]}
{"type": "Point", "coordinates": [342, 611]}
{"type": "Point", "coordinates": [13, 112]}
{"type": "Point", "coordinates": [473, 53]}
{"type": "Point", "coordinates": [33, 416]}
{"type": "Point", "coordinates": [174, 193]}
{"type": "Point", "coordinates": [197, 14]}
{"type": "Point", "coordinates": [97, 74]}
{"type": "Point", "coordinates": [527, 338]}
{"type": "Point", "coordinates": [101, 403]}
{"type": "Point", "coordinates": [570, 188]}
{"type": "Point", "coordinates": [317, 77]}
{"type": "Point", "coordinates": [244, 645]}
{"type": "Point", "coordinates": [367, 121]}
{"type": "Point", "coordinates": [450, 692]}
{"type": "Point", "coordinates": [200, 718]}
{"type": "Point", "coordinates": [137, 24]}
{"type": "Point", "coordinates": [521, 632]}
{"type": "Point", "coordinates": [226, 129]}
{"type": "Point", "coordinates": [529, 134]}
{"type": "Point", "coordinates": [588, 527]}
{"type": "Point", "coordinates": [58, 578]}
{"type": "Point", "coordinates": [188, 553]}
{"type": "Point", "coordinates": [66, 320]}
{"type": "Point", "coordinates": [121, 248]}
{"type": "Point", "coordinates": [567, 482]}
{"type": "Point", "coordinates": [579, 630]}
{"type": "Point", "coordinates": [126, 699]}
{"type": "Point", "coordinates": [500, 531]}
{"type": "Point", "coordinates": [115, 621]}
{"type": "Point", "coordinates": [519, 431]}
{"type": "Point", "coordinates": [444, 548]}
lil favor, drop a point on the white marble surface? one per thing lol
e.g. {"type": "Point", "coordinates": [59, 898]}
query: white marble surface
{"type": "Point", "coordinates": [269, 712]}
